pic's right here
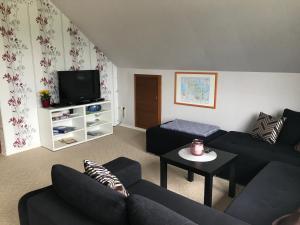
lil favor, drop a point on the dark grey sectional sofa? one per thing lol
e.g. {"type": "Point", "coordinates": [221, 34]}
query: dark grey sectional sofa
{"type": "Point", "coordinates": [76, 199]}
{"type": "Point", "coordinates": [272, 193]}
{"type": "Point", "coordinates": [255, 154]}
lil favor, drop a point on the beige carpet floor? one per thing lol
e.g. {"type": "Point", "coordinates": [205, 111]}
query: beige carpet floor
{"type": "Point", "coordinates": [30, 170]}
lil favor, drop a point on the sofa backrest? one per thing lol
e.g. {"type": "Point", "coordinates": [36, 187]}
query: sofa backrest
{"type": "Point", "coordinates": [144, 211]}
{"type": "Point", "coordinates": [89, 196]}
{"type": "Point", "coordinates": [290, 133]}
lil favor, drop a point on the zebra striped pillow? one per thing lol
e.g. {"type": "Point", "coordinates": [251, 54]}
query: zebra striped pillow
{"type": "Point", "coordinates": [104, 176]}
{"type": "Point", "coordinates": [267, 128]}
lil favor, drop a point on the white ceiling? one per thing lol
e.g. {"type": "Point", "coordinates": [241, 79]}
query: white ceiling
{"type": "Point", "coordinates": [232, 35]}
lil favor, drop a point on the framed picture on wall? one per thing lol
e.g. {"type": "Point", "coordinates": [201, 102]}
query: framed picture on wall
{"type": "Point", "coordinates": [196, 89]}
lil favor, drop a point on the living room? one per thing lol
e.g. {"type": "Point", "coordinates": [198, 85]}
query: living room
{"type": "Point", "coordinates": [229, 155]}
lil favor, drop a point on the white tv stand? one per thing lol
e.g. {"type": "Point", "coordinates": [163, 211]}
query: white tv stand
{"type": "Point", "coordinates": [87, 125]}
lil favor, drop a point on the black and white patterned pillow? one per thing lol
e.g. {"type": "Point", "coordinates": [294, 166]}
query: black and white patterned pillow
{"type": "Point", "coordinates": [104, 176]}
{"type": "Point", "coordinates": [267, 128]}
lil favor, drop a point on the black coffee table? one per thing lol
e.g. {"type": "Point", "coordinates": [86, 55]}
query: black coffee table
{"type": "Point", "coordinates": [206, 169]}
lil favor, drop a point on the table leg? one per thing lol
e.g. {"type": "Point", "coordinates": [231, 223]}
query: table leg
{"type": "Point", "coordinates": [190, 176]}
{"type": "Point", "coordinates": [163, 173]}
{"type": "Point", "coordinates": [232, 184]}
{"type": "Point", "coordinates": [208, 190]}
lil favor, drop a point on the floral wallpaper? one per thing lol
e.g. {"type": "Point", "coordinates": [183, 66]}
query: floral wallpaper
{"type": "Point", "coordinates": [77, 47]}
{"type": "Point", "coordinates": [45, 19]}
{"type": "Point", "coordinates": [14, 75]}
{"type": "Point", "coordinates": [36, 41]}
{"type": "Point", "coordinates": [101, 65]}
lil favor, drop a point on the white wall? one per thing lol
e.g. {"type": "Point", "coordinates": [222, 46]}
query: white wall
{"type": "Point", "coordinates": [240, 97]}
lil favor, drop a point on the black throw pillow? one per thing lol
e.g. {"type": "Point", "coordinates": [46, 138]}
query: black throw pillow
{"type": "Point", "coordinates": [95, 200]}
{"type": "Point", "coordinates": [290, 133]}
{"type": "Point", "coordinates": [143, 211]}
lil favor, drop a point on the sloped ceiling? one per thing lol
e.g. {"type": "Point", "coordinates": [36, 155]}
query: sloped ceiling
{"type": "Point", "coordinates": [232, 35]}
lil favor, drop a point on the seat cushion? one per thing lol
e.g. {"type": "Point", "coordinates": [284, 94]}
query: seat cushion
{"type": "Point", "coordinates": [46, 208]}
{"type": "Point", "coordinates": [192, 210]}
{"type": "Point", "coordinates": [290, 133]}
{"type": "Point", "coordinates": [254, 154]}
{"type": "Point", "coordinates": [89, 196]}
{"type": "Point", "coordinates": [144, 211]}
{"type": "Point", "coordinates": [191, 127]}
{"type": "Point", "coordinates": [274, 192]}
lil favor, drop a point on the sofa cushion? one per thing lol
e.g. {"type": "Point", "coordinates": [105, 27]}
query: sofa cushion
{"type": "Point", "coordinates": [290, 133]}
{"type": "Point", "coordinates": [104, 176]}
{"type": "Point", "coordinates": [46, 208]}
{"type": "Point", "coordinates": [190, 209]}
{"type": "Point", "coordinates": [267, 128]}
{"type": "Point", "coordinates": [127, 170]}
{"type": "Point", "coordinates": [87, 195]}
{"type": "Point", "coordinates": [254, 154]}
{"type": "Point", "coordinates": [191, 127]}
{"type": "Point", "coordinates": [143, 211]}
{"type": "Point", "coordinates": [272, 193]}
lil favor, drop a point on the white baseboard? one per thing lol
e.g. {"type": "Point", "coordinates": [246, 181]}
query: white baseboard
{"type": "Point", "coordinates": [5, 153]}
{"type": "Point", "coordinates": [132, 127]}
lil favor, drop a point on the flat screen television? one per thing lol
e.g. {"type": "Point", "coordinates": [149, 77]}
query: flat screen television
{"type": "Point", "coordinates": [78, 87]}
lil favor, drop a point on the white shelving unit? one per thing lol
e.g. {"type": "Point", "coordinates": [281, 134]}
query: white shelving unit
{"type": "Point", "coordinates": [87, 125]}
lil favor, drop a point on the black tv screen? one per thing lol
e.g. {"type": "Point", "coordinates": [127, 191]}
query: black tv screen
{"type": "Point", "coordinates": [77, 87]}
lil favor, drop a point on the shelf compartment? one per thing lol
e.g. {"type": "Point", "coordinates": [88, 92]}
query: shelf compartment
{"type": "Point", "coordinates": [98, 123]}
{"type": "Point", "coordinates": [66, 119]}
{"type": "Point", "coordinates": [77, 122]}
{"type": "Point", "coordinates": [99, 112]}
{"type": "Point", "coordinates": [59, 145]}
{"type": "Point", "coordinates": [104, 107]}
{"type": "Point", "coordinates": [78, 135]}
{"type": "Point", "coordinates": [63, 135]}
{"type": "Point", "coordinates": [66, 114]}
{"type": "Point", "coordinates": [100, 131]}
{"type": "Point", "coordinates": [89, 137]}
{"type": "Point", "coordinates": [106, 117]}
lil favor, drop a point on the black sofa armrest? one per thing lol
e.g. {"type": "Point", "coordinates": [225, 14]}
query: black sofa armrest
{"type": "Point", "coordinates": [127, 170]}
{"type": "Point", "coordinates": [45, 207]}
{"type": "Point", "coordinates": [22, 205]}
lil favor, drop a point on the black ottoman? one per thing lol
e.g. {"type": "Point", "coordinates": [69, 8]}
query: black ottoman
{"type": "Point", "coordinates": [160, 141]}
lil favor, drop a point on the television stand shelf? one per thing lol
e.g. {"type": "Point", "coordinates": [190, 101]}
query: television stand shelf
{"type": "Point", "coordinates": [78, 124]}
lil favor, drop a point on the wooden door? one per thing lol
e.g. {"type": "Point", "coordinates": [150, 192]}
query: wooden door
{"type": "Point", "coordinates": [147, 100]}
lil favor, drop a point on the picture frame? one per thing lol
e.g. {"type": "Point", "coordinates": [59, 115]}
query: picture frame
{"type": "Point", "coordinates": [196, 89]}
